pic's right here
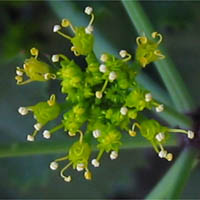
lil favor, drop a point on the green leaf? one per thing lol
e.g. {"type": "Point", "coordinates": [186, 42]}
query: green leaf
{"type": "Point", "coordinates": [171, 186]}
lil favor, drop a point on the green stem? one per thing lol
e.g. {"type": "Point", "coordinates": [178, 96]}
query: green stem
{"type": "Point", "coordinates": [170, 76]}
{"type": "Point", "coordinates": [54, 147]}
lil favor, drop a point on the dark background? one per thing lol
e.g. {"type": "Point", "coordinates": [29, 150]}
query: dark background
{"type": "Point", "coordinates": [24, 24]}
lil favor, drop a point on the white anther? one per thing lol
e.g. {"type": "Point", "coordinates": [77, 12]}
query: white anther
{"type": "Point", "coordinates": [88, 10]}
{"type": "Point", "coordinates": [55, 58]}
{"type": "Point", "coordinates": [98, 94]}
{"type": "Point", "coordinates": [169, 156]}
{"type": "Point", "coordinates": [53, 165]}
{"type": "Point", "coordinates": [68, 179]}
{"type": "Point", "coordinates": [38, 126]}
{"type": "Point", "coordinates": [148, 97]}
{"type": "Point", "coordinates": [160, 137]}
{"type": "Point", "coordinates": [30, 138]}
{"type": "Point", "coordinates": [162, 154]}
{"type": "Point", "coordinates": [46, 134]}
{"type": "Point", "coordinates": [113, 155]}
{"type": "Point", "coordinates": [96, 133]}
{"type": "Point", "coordinates": [123, 110]}
{"type": "Point", "coordinates": [80, 167]}
{"type": "Point", "coordinates": [95, 163]}
{"type": "Point", "coordinates": [89, 29]}
{"type": "Point", "coordinates": [160, 108]}
{"type": "Point", "coordinates": [123, 53]}
{"type": "Point", "coordinates": [19, 73]}
{"type": "Point", "coordinates": [56, 28]}
{"type": "Point", "coordinates": [190, 134]}
{"type": "Point", "coordinates": [112, 76]}
{"type": "Point", "coordinates": [104, 58]}
{"type": "Point", "coordinates": [23, 110]}
{"type": "Point", "coordinates": [102, 68]}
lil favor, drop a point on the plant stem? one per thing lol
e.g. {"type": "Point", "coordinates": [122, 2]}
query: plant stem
{"type": "Point", "coordinates": [54, 147]}
{"type": "Point", "coordinates": [165, 67]}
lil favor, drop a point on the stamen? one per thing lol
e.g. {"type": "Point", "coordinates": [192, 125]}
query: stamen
{"type": "Point", "coordinates": [88, 10]}
{"type": "Point", "coordinates": [113, 155]}
{"type": "Point", "coordinates": [46, 134]}
{"type": "Point", "coordinates": [159, 54]}
{"type": "Point", "coordinates": [55, 58]}
{"type": "Point", "coordinates": [162, 154]}
{"type": "Point", "coordinates": [156, 34]}
{"type": "Point", "coordinates": [169, 157]}
{"type": "Point", "coordinates": [135, 125]}
{"type": "Point", "coordinates": [49, 76]}
{"type": "Point", "coordinates": [189, 133]}
{"type": "Point", "coordinates": [160, 108]}
{"type": "Point", "coordinates": [132, 133]}
{"type": "Point", "coordinates": [160, 137]}
{"type": "Point", "coordinates": [148, 97]}
{"type": "Point", "coordinates": [80, 167]}
{"type": "Point", "coordinates": [38, 126]}
{"type": "Point", "coordinates": [123, 54]}
{"type": "Point", "coordinates": [123, 110]}
{"type": "Point", "coordinates": [88, 175]}
{"type": "Point", "coordinates": [23, 110]}
{"type": "Point", "coordinates": [34, 52]}
{"type": "Point", "coordinates": [89, 29]}
{"type": "Point", "coordinates": [102, 68]}
{"type": "Point", "coordinates": [53, 165]}
{"type": "Point", "coordinates": [30, 138]}
{"type": "Point", "coordinates": [96, 133]}
{"type": "Point", "coordinates": [56, 28]}
{"type": "Point", "coordinates": [95, 163]}
{"type": "Point", "coordinates": [52, 100]}
{"type": "Point", "coordinates": [71, 134]}
{"type": "Point", "coordinates": [66, 178]}
{"type": "Point", "coordinates": [64, 35]}
{"type": "Point", "coordinates": [141, 40]}
{"type": "Point", "coordinates": [112, 76]}
{"type": "Point", "coordinates": [73, 49]}
{"type": "Point", "coordinates": [65, 23]}
{"type": "Point", "coordinates": [98, 94]}
{"type": "Point", "coordinates": [19, 72]}
{"type": "Point", "coordinates": [104, 58]}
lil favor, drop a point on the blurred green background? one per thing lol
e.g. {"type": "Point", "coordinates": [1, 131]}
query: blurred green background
{"type": "Point", "coordinates": [25, 24]}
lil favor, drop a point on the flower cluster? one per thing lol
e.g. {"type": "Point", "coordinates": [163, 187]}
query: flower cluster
{"type": "Point", "coordinates": [106, 100]}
